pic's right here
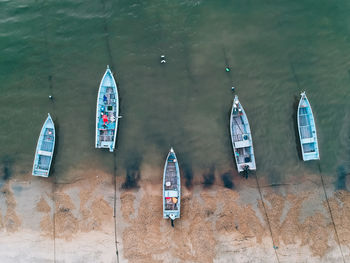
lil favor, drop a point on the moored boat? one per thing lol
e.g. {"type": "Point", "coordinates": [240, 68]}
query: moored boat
{"type": "Point", "coordinates": [307, 130]}
{"type": "Point", "coordinates": [107, 112]}
{"type": "Point", "coordinates": [241, 138]}
{"type": "Point", "coordinates": [44, 149]}
{"type": "Point", "coordinates": [171, 187]}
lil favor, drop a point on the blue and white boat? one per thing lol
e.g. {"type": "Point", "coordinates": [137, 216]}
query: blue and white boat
{"type": "Point", "coordinates": [307, 130]}
{"type": "Point", "coordinates": [171, 187]}
{"type": "Point", "coordinates": [241, 138]}
{"type": "Point", "coordinates": [107, 112]}
{"type": "Point", "coordinates": [44, 149]}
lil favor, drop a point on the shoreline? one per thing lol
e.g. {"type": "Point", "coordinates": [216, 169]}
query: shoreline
{"type": "Point", "coordinates": [71, 222]}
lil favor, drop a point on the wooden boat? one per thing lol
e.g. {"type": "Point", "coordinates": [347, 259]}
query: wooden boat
{"type": "Point", "coordinates": [107, 111]}
{"type": "Point", "coordinates": [171, 187]}
{"type": "Point", "coordinates": [44, 149]}
{"type": "Point", "coordinates": [307, 130]}
{"type": "Point", "coordinates": [241, 138]}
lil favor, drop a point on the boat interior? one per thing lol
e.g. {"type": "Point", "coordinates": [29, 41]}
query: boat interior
{"type": "Point", "coordinates": [48, 140]}
{"type": "Point", "coordinates": [46, 148]}
{"type": "Point", "coordinates": [241, 142]}
{"type": "Point", "coordinates": [44, 162]}
{"type": "Point", "coordinates": [107, 113]}
{"type": "Point", "coordinates": [306, 133]}
{"type": "Point", "coordinates": [243, 155]}
{"type": "Point", "coordinates": [309, 147]}
{"type": "Point", "coordinates": [304, 123]}
{"type": "Point", "coordinates": [106, 135]}
{"type": "Point", "coordinates": [238, 128]}
{"type": "Point", "coordinates": [171, 185]}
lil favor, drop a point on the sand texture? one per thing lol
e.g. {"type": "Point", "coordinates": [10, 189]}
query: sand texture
{"type": "Point", "coordinates": [87, 221]}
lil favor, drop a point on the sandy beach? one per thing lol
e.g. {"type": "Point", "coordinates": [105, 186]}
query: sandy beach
{"type": "Point", "coordinates": [41, 221]}
{"type": "Point", "coordinates": [98, 206]}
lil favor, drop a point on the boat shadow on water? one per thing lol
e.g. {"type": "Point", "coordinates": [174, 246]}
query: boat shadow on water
{"type": "Point", "coordinates": [340, 183]}
{"type": "Point", "coordinates": [295, 126]}
{"type": "Point", "coordinates": [133, 173]}
{"type": "Point", "coordinates": [209, 177]}
{"type": "Point", "coordinates": [7, 163]}
{"type": "Point", "coordinates": [274, 177]}
{"type": "Point", "coordinates": [227, 179]}
{"type": "Point", "coordinates": [56, 149]}
{"type": "Point", "coordinates": [186, 170]}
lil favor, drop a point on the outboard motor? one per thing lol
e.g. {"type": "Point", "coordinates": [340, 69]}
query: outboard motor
{"type": "Point", "coordinates": [172, 217]}
{"type": "Point", "coordinates": [245, 171]}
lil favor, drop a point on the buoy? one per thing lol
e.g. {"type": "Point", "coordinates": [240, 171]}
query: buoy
{"type": "Point", "coordinates": [227, 69]}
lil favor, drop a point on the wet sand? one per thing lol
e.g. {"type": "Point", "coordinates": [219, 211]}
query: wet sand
{"type": "Point", "coordinates": [41, 221]}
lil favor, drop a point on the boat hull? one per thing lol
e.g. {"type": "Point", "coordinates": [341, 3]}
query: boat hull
{"type": "Point", "coordinates": [107, 112]}
{"type": "Point", "coordinates": [45, 149]}
{"type": "Point", "coordinates": [171, 187]}
{"type": "Point", "coordinates": [241, 138]}
{"type": "Point", "coordinates": [307, 130]}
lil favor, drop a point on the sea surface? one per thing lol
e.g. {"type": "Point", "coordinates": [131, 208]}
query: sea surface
{"type": "Point", "coordinates": [274, 50]}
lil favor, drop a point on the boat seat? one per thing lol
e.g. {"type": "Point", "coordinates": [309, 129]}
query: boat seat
{"type": "Point", "coordinates": [40, 170]}
{"type": "Point", "coordinates": [242, 144]}
{"type": "Point", "coordinates": [308, 140]}
{"type": "Point", "coordinates": [171, 194]}
{"type": "Point", "coordinates": [44, 153]}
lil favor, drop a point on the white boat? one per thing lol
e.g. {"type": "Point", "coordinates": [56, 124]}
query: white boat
{"type": "Point", "coordinates": [44, 149]}
{"type": "Point", "coordinates": [107, 112]}
{"type": "Point", "coordinates": [307, 130]}
{"type": "Point", "coordinates": [171, 187]}
{"type": "Point", "coordinates": [241, 138]}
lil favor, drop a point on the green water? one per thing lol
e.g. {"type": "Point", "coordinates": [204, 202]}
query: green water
{"type": "Point", "coordinates": [275, 49]}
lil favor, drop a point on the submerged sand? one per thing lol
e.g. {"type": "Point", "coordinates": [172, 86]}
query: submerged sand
{"type": "Point", "coordinates": [87, 221]}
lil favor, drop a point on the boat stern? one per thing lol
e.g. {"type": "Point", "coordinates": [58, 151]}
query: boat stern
{"type": "Point", "coordinates": [171, 214]}
{"type": "Point", "coordinates": [41, 173]}
{"type": "Point", "coordinates": [246, 166]}
{"type": "Point", "coordinates": [106, 145]}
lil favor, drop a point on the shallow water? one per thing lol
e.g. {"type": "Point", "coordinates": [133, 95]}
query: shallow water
{"type": "Point", "coordinates": [274, 51]}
